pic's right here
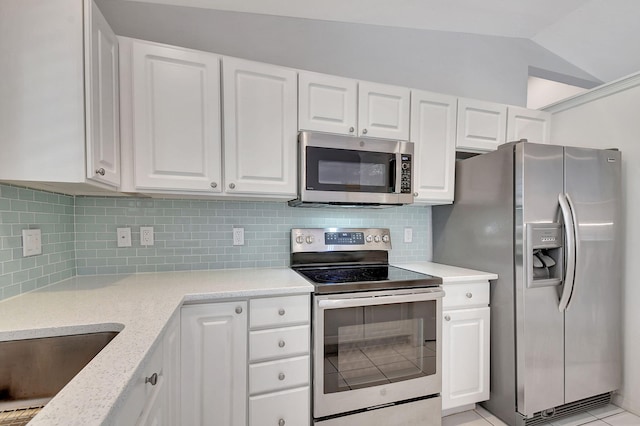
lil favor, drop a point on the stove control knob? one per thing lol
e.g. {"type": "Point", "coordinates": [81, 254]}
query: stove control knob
{"type": "Point", "coordinates": [299, 239]}
{"type": "Point", "coordinates": [385, 238]}
{"type": "Point", "coordinates": [376, 238]}
{"type": "Point", "coordinates": [309, 239]}
{"type": "Point", "coordinates": [369, 238]}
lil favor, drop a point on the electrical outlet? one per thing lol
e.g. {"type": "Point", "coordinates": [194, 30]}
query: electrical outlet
{"type": "Point", "coordinates": [238, 236]}
{"type": "Point", "coordinates": [408, 235]}
{"type": "Point", "coordinates": [31, 242]}
{"type": "Point", "coordinates": [146, 235]}
{"type": "Point", "coordinates": [124, 237]}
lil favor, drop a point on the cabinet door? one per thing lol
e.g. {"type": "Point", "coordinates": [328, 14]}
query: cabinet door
{"type": "Point", "coordinates": [529, 124]}
{"type": "Point", "coordinates": [176, 110]}
{"type": "Point", "coordinates": [327, 103]}
{"type": "Point", "coordinates": [465, 357]}
{"type": "Point", "coordinates": [433, 131]}
{"type": "Point", "coordinates": [214, 364]}
{"type": "Point", "coordinates": [102, 99]}
{"type": "Point", "coordinates": [481, 125]}
{"type": "Point", "coordinates": [260, 128]}
{"type": "Point", "coordinates": [171, 372]}
{"type": "Point", "coordinates": [383, 111]}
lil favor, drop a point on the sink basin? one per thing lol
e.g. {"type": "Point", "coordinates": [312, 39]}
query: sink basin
{"type": "Point", "coordinates": [32, 371]}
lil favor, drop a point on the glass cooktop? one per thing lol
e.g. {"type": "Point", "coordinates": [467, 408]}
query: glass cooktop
{"type": "Point", "coordinates": [338, 279]}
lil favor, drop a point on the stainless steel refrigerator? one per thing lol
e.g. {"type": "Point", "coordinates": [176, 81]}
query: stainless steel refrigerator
{"type": "Point", "coordinates": [547, 220]}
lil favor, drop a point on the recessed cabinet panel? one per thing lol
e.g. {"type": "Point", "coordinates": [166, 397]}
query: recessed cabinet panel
{"type": "Point", "coordinates": [433, 130]}
{"type": "Point", "coordinates": [466, 349]}
{"type": "Point", "coordinates": [176, 105]}
{"type": "Point", "coordinates": [102, 103]}
{"type": "Point", "coordinates": [327, 103]}
{"type": "Point", "coordinates": [532, 125]}
{"type": "Point", "coordinates": [383, 111]}
{"type": "Point", "coordinates": [481, 125]}
{"type": "Point", "coordinates": [260, 107]}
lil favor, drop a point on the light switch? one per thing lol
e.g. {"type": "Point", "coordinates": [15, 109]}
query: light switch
{"type": "Point", "coordinates": [408, 235]}
{"type": "Point", "coordinates": [31, 242]}
{"type": "Point", "coordinates": [124, 237]}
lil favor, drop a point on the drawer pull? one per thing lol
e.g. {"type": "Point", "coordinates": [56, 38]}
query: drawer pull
{"type": "Point", "coordinates": [281, 312]}
{"type": "Point", "coordinates": [153, 379]}
{"type": "Point", "coordinates": [281, 376]}
{"type": "Point", "coordinates": [238, 309]}
{"type": "Point", "coordinates": [447, 318]}
{"type": "Point", "coordinates": [281, 422]}
{"type": "Point", "coordinates": [281, 343]}
{"type": "Point", "coordinates": [469, 295]}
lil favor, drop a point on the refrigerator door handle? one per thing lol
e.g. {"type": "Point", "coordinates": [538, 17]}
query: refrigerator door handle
{"type": "Point", "coordinates": [566, 206]}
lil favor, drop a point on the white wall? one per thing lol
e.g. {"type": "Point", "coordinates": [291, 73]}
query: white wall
{"type": "Point", "coordinates": [607, 122]}
{"type": "Point", "coordinates": [475, 66]}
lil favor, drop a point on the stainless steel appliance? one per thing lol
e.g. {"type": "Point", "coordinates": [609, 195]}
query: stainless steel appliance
{"type": "Point", "coordinates": [339, 170]}
{"type": "Point", "coordinates": [546, 219]}
{"type": "Point", "coordinates": [376, 330]}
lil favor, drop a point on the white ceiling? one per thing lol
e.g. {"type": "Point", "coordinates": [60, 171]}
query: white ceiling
{"type": "Point", "coordinates": [601, 37]}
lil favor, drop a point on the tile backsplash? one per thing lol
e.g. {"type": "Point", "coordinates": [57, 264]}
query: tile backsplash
{"type": "Point", "coordinates": [79, 234]}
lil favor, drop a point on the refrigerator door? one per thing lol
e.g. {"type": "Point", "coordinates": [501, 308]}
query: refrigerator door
{"type": "Point", "coordinates": [538, 171]}
{"type": "Point", "coordinates": [592, 318]}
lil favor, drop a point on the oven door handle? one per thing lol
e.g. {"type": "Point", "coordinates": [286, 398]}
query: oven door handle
{"type": "Point", "coordinates": [380, 300]}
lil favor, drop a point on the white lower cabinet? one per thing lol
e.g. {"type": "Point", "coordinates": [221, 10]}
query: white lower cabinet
{"type": "Point", "coordinates": [465, 345]}
{"type": "Point", "coordinates": [214, 364]}
{"type": "Point", "coordinates": [154, 395]}
{"type": "Point", "coordinates": [227, 383]}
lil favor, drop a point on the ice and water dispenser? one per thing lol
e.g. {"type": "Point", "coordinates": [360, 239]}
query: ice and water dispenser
{"type": "Point", "coordinates": [544, 255]}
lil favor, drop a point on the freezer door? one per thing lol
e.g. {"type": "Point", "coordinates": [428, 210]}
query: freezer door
{"type": "Point", "coordinates": [593, 315]}
{"type": "Point", "coordinates": [539, 323]}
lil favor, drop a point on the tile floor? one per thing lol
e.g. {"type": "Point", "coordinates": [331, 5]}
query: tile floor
{"type": "Point", "coordinates": [610, 415]}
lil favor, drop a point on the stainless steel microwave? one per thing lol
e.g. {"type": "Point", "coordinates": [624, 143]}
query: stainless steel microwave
{"type": "Point", "coordinates": [337, 170]}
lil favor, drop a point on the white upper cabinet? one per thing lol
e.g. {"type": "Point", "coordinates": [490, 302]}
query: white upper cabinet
{"type": "Point", "coordinates": [327, 103]}
{"type": "Point", "coordinates": [176, 132]}
{"type": "Point", "coordinates": [481, 125]}
{"type": "Point", "coordinates": [529, 124]}
{"type": "Point", "coordinates": [59, 96]}
{"type": "Point", "coordinates": [433, 131]}
{"type": "Point", "coordinates": [260, 128]}
{"type": "Point", "coordinates": [383, 111]}
{"type": "Point", "coordinates": [350, 107]}
{"type": "Point", "coordinates": [102, 104]}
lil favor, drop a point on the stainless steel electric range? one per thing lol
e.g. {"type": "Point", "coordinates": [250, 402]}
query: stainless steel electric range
{"type": "Point", "coordinates": [376, 330]}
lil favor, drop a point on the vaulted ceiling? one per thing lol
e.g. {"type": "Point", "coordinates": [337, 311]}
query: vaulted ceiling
{"type": "Point", "coordinates": [602, 37]}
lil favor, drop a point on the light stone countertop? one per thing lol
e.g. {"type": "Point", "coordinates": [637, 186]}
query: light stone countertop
{"type": "Point", "coordinates": [139, 306]}
{"type": "Point", "coordinates": [449, 274]}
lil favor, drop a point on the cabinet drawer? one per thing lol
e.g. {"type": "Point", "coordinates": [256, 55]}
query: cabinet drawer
{"type": "Point", "coordinates": [277, 375]}
{"type": "Point", "coordinates": [287, 408]}
{"type": "Point", "coordinates": [278, 343]}
{"type": "Point", "coordinates": [279, 311]}
{"type": "Point", "coordinates": [466, 295]}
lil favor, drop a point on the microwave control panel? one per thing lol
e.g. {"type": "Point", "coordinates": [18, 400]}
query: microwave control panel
{"type": "Point", "coordinates": [405, 176]}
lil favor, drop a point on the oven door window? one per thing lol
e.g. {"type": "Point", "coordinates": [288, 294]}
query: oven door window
{"type": "Point", "coordinates": [374, 345]}
{"type": "Point", "coordinates": [344, 170]}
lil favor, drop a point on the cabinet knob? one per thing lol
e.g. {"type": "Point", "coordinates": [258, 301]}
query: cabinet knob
{"type": "Point", "coordinates": [281, 376]}
{"type": "Point", "coordinates": [232, 185]}
{"type": "Point", "coordinates": [469, 295]}
{"type": "Point", "coordinates": [153, 379]}
{"type": "Point", "coordinates": [364, 131]}
{"type": "Point", "coordinates": [447, 318]}
{"type": "Point", "coordinates": [100, 171]}
{"type": "Point", "coordinates": [352, 129]}
{"type": "Point", "coordinates": [281, 312]}
{"type": "Point", "coordinates": [281, 422]}
{"type": "Point", "coordinates": [238, 309]}
{"type": "Point", "coordinates": [415, 194]}
{"type": "Point", "coordinates": [281, 343]}
{"type": "Point", "coordinates": [214, 185]}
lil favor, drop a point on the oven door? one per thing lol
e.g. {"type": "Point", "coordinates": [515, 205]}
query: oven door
{"type": "Point", "coordinates": [375, 348]}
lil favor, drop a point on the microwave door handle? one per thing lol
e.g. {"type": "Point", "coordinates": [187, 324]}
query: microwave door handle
{"type": "Point", "coordinates": [394, 172]}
